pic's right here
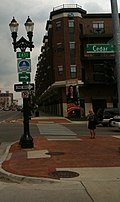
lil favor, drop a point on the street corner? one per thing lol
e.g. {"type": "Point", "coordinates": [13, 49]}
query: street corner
{"type": "Point", "coordinates": [51, 158]}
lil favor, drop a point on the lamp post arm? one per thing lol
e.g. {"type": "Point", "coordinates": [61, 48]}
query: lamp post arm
{"type": "Point", "coordinates": [22, 43]}
{"type": "Point", "coordinates": [14, 36]}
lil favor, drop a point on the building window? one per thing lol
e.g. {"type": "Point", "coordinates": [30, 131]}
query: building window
{"type": "Point", "coordinates": [98, 27]}
{"type": "Point", "coordinates": [71, 30]}
{"type": "Point", "coordinates": [71, 26]}
{"type": "Point", "coordinates": [81, 28]}
{"type": "Point", "coordinates": [58, 25]}
{"type": "Point", "coordinates": [98, 73]}
{"type": "Point", "coordinates": [71, 23]}
{"type": "Point", "coordinates": [59, 47]}
{"type": "Point", "coordinates": [72, 53]}
{"type": "Point", "coordinates": [60, 70]}
{"type": "Point", "coordinates": [73, 71]}
{"type": "Point", "coordinates": [72, 45]}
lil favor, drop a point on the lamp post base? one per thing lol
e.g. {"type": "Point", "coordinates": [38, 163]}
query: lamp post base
{"type": "Point", "coordinates": [26, 141]}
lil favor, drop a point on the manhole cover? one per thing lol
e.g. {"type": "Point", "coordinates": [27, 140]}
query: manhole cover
{"type": "Point", "coordinates": [64, 174]}
{"type": "Point", "coordinates": [55, 153]}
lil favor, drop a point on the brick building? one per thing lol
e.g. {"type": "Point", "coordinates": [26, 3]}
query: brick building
{"type": "Point", "coordinates": [77, 50]}
{"type": "Point", "coordinates": [6, 100]}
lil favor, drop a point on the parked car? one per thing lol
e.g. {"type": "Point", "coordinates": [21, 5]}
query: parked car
{"type": "Point", "coordinates": [20, 108]}
{"type": "Point", "coordinates": [116, 121]}
{"type": "Point", "coordinates": [105, 116]}
{"type": "Point", "coordinates": [6, 109]}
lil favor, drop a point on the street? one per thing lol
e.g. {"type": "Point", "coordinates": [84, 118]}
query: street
{"type": "Point", "coordinates": [11, 131]}
{"type": "Point", "coordinates": [9, 115]}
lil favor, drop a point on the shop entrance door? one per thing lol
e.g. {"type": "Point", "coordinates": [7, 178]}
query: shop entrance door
{"type": "Point", "coordinates": [98, 103]}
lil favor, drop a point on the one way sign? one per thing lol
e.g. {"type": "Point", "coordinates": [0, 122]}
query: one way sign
{"type": "Point", "coordinates": [23, 87]}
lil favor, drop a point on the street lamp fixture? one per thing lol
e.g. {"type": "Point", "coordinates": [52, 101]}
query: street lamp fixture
{"type": "Point", "coordinates": [26, 141]}
{"type": "Point", "coordinates": [22, 43]}
{"type": "Point", "coordinates": [14, 29]}
{"type": "Point", "coordinates": [29, 26]}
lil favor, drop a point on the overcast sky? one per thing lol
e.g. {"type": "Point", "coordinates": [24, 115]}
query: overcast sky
{"type": "Point", "coordinates": [39, 11]}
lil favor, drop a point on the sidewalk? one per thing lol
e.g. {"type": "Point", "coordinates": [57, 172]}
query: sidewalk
{"type": "Point", "coordinates": [54, 159]}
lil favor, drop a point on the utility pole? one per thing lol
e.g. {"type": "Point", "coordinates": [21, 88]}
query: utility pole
{"type": "Point", "coordinates": [116, 37]}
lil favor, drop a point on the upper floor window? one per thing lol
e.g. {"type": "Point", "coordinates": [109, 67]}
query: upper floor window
{"type": "Point", "coordinates": [71, 26]}
{"type": "Point", "coordinates": [72, 53]}
{"type": "Point", "coordinates": [81, 28]}
{"type": "Point", "coordinates": [72, 45]}
{"type": "Point", "coordinates": [60, 70]}
{"type": "Point", "coordinates": [73, 71]}
{"type": "Point", "coordinates": [58, 25]}
{"type": "Point", "coordinates": [98, 27]}
{"type": "Point", "coordinates": [71, 23]}
{"type": "Point", "coordinates": [98, 72]}
{"type": "Point", "coordinates": [60, 47]}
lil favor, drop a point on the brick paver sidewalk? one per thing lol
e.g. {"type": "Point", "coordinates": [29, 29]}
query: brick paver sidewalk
{"type": "Point", "coordinates": [48, 155]}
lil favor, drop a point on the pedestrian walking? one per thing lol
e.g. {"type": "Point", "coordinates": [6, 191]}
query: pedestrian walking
{"type": "Point", "coordinates": [92, 123]}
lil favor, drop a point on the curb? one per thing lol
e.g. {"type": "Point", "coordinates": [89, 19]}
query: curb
{"type": "Point", "coordinates": [20, 178]}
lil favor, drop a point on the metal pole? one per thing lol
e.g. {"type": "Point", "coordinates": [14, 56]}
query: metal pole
{"type": "Point", "coordinates": [26, 141]}
{"type": "Point", "coordinates": [116, 37]}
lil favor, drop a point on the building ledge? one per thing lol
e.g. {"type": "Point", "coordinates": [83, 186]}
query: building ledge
{"type": "Point", "coordinates": [63, 83]}
{"type": "Point", "coordinates": [59, 84]}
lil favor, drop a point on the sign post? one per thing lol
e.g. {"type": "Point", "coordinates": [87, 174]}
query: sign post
{"type": "Point", "coordinates": [24, 69]}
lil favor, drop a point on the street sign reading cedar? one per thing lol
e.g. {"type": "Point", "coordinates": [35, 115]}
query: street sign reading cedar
{"type": "Point", "coordinates": [100, 48]}
{"type": "Point", "coordinates": [23, 87]}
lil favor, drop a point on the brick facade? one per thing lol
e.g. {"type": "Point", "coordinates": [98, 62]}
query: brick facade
{"type": "Point", "coordinates": [64, 57]}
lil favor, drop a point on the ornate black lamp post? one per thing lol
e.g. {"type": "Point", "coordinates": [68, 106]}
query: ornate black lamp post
{"type": "Point", "coordinates": [26, 141]}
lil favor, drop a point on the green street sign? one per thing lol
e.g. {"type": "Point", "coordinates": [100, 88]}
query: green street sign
{"type": "Point", "coordinates": [100, 48]}
{"type": "Point", "coordinates": [24, 77]}
{"type": "Point", "coordinates": [23, 55]}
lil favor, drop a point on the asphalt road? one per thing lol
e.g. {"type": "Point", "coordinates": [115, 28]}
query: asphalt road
{"type": "Point", "coordinates": [81, 129]}
{"type": "Point", "coordinates": [10, 132]}
{"type": "Point", "coordinates": [10, 115]}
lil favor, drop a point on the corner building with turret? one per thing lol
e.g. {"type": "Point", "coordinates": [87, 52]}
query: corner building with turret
{"type": "Point", "coordinates": [77, 50]}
